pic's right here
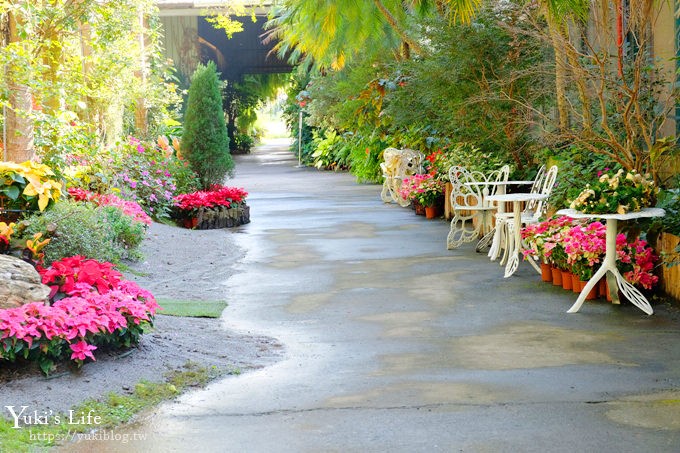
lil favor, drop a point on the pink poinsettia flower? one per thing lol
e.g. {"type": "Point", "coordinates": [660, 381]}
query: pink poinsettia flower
{"type": "Point", "coordinates": [82, 350]}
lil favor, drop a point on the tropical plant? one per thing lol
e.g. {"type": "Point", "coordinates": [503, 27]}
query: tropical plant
{"type": "Point", "coordinates": [27, 186]}
{"type": "Point", "coordinates": [205, 143]}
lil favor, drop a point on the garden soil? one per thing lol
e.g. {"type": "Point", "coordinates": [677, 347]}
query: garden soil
{"type": "Point", "coordinates": [178, 264]}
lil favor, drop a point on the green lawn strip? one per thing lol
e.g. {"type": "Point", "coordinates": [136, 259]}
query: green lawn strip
{"type": "Point", "coordinates": [113, 410]}
{"type": "Point", "coordinates": [192, 308]}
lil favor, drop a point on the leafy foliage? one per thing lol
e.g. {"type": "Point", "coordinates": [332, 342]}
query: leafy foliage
{"type": "Point", "coordinates": [77, 228]}
{"type": "Point", "coordinates": [205, 142]}
{"type": "Point", "coordinates": [81, 63]}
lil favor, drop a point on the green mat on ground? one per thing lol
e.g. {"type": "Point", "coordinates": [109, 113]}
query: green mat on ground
{"type": "Point", "coordinates": [192, 308]}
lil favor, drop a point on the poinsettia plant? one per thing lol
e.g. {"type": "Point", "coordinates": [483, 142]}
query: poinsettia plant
{"type": "Point", "coordinates": [77, 275]}
{"type": "Point", "coordinates": [218, 195]}
{"type": "Point", "coordinates": [577, 246]}
{"type": "Point", "coordinates": [91, 307]}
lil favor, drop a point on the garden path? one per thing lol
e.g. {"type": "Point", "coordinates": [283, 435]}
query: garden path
{"type": "Point", "coordinates": [396, 344]}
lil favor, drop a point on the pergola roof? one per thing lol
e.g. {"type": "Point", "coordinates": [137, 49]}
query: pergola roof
{"type": "Point", "coordinates": [198, 7]}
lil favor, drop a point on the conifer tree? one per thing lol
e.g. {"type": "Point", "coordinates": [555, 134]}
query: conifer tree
{"type": "Point", "coordinates": [205, 142]}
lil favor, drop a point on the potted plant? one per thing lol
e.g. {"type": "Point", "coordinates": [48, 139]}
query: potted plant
{"type": "Point", "coordinates": [616, 193]}
{"type": "Point", "coordinates": [430, 193]}
{"type": "Point", "coordinates": [424, 190]}
{"type": "Point", "coordinates": [542, 238]}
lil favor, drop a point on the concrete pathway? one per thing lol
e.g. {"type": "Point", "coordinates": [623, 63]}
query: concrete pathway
{"type": "Point", "coordinates": [395, 344]}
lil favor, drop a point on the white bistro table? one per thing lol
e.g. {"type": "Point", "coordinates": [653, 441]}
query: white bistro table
{"type": "Point", "coordinates": [515, 243]}
{"type": "Point", "coordinates": [614, 278]}
{"type": "Point", "coordinates": [488, 233]}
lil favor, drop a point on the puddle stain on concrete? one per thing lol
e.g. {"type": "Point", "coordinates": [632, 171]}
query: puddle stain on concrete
{"type": "Point", "coordinates": [290, 252]}
{"type": "Point", "coordinates": [306, 303]}
{"type": "Point", "coordinates": [403, 324]}
{"type": "Point", "coordinates": [352, 230]}
{"type": "Point", "coordinates": [518, 346]}
{"type": "Point", "coordinates": [412, 393]}
{"type": "Point", "coordinates": [433, 289]}
{"type": "Point", "coordinates": [653, 411]}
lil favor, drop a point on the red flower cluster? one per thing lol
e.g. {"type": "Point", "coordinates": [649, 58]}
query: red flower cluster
{"type": "Point", "coordinates": [76, 276]}
{"type": "Point", "coordinates": [98, 308]}
{"type": "Point", "coordinates": [217, 196]}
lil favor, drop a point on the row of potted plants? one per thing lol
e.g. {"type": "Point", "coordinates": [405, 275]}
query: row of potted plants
{"type": "Point", "coordinates": [426, 191]}
{"type": "Point", "coordinates": [565, 247]}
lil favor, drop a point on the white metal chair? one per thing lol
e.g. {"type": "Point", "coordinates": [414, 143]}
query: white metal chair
{"type": "Point", "coordinates": [472, 212]}
{"type": "Point", "coordinates": [397, 165]}
{"type": "Point", "coordinates": [532, 213]}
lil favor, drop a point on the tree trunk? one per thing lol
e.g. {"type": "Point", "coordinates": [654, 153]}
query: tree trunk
{"type": "Point", "coordinates": [560, 74]}
{"type": "Point", "coordinates": [52, 56]}
{"type": "Point", "coordinates": [18, 124]}
{"type": "Point", "coordinates": [619, 35]}
{"type": "Point", "coordinates": [141, 121]}
{"type": "Point", "coordinates": [580, 78]}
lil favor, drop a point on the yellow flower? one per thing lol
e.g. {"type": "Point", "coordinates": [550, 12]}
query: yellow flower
{"type": "Point", "coordinates": [6, 230]}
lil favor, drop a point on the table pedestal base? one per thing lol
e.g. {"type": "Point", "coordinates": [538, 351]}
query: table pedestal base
{"type": "Point", "coordinates": [614, 279]}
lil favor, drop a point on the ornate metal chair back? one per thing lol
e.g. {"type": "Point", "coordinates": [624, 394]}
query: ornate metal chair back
{"type": "Point", "coordinates": [548, 183]}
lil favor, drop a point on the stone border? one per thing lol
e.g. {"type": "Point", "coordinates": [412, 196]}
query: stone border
{"type": "Point", "coordinates": [222, 217]}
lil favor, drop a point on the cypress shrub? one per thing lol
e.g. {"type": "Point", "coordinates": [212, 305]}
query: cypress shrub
{"type": "Point", "coordinates": [205, 142]}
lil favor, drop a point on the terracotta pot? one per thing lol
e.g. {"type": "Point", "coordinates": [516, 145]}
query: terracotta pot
{"type": "Point", "coordinates": [556, 276]}
{"type": "Point", "coordinates": [420, 209]}
{"type": "Point", "coordinates": [566, 280]}
{"type": "Point", "coordinates": [592, 294]}
{"type": "Point", "coordinates": [430, 212]}
{"type": "Point", "coordinates": [546, 273]}
{"type": "Point", "coordinates": [575, 283]}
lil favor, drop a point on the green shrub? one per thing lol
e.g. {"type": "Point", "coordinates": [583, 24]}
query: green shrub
{"type": "Point", "coordinates": [243, 143]}
{"type": "Point", "coordinates": [128, 233]}
{"type": "Point", "coordinates": [366, 155]}
{"type": "Point", "coordinates": [205, 142]}
{"type": "Point", "coordinates": [77, 228]}
{"type": "Point", "coordinates": [577, 167]}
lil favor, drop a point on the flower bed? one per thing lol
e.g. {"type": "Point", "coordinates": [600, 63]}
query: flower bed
{"type": "Point", "coordinates": [91, 306]}
{"type": "Point", "coordinates": [219, 207]}
{"type": "Point", "coordinates": [129, 208]}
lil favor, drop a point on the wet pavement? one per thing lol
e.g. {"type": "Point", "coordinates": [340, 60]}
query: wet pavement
{"type": "Point", "coordinates": [395, 344]}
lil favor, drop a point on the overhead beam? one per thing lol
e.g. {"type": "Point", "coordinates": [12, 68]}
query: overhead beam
{"type": "Point", "coordinates": [169, 8]}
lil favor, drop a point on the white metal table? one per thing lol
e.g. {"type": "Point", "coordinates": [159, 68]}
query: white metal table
{"type": "Point", "coordinates": [608, 268]}
{"type": "Point", "coordinates": [489, 233]}
{"type": "Point", "coordinates": [515, 242]}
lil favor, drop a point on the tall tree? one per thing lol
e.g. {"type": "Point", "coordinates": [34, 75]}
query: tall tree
{"type": "Point", "coordinates": [205, 142]}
